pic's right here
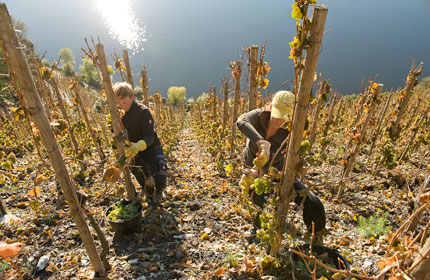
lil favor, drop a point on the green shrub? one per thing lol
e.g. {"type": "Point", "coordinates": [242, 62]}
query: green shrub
{"type": "Point", "coordinates": [4, 266]}
{"type": "Point", "coordinates": [375, 225]}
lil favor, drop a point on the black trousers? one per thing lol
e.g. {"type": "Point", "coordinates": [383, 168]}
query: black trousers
{"type": "Point", "coordinates": [313, 209]}
{"type": "Point", "coordinates": [148, 163]}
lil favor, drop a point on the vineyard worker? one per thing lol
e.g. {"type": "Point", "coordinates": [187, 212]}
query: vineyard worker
{"type": "Point", "coordinates": [145, 145]}
{"type": "Point", "coordinates": [265, 133]}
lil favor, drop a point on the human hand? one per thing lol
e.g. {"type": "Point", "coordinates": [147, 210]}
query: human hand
{"type": "Point", "coordinates": [263, 154]}
{"type": "Point", "coordinates": [135, 148]}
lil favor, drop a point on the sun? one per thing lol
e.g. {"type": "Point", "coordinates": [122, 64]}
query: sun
{"type": "Point", "coordinates": [121, 23]}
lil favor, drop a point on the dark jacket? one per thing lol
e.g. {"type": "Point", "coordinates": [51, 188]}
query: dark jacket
{"type": "Point", "coordinates": [139, 123]}
{"type": "Point", "coordinates": [254, 125]}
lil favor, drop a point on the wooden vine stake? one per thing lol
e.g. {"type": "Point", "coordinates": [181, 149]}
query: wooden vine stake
{"type": "Point", "coordinates": [253, 57]}
{"type": "Point", "coordinates": [380, 121]}
{"type": "Point", "coordinates": [75, 88]}
{"type": "Point", "coordinates": [415, 130]}
{"type": "Point", "coordinates": [226, 108]}
{"type": "Point", "coordinates": [144, 84]}
{"type": "Point", "coordinates": [321, 93]}
{"type": "Point", "coordinates": [405, 96]}
{"type": "Point", "coordinates": [10, 45]}
{"type": "Point", "coordinates": [374, 99]}
{"type": "Point", "coordinates": [236, 71]}
{"type": "Point", "coordinates": [54, 83]}
{"type": "Point", "coordinates": [328, 123]}
{"type": "Point", "coordinates": [157, 99]}
{"type": "Point", "coordinates": [107, 85]}
{"type": "Point", "coordinates": [42, 89]}
{"type": "Point", "coordinates": [339, 110]}
{"type": "Point", "coordinates": [128, 68]}
{"type": "Point", "coordinates": [319, 15]}
{"type": "Point", "coordinates": [214, 103]}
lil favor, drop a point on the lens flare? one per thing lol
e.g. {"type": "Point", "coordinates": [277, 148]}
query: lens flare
{"type": "Point", "coordinates": [122, 23]}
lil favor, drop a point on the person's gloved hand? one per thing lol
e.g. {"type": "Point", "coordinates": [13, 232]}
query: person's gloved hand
{"type": "Point", "coordinates": [135, 148]}
{"type": "Point", "coordinates": [263, 154]}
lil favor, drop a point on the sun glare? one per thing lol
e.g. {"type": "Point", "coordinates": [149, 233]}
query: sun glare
{"type": "Point", "coordinates": [122, 23]}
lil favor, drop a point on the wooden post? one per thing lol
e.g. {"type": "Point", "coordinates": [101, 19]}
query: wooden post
{"type": "Point", "coordinates": [296, 134]}
{"type": "Point", "coordinates": [93, 134]}
{"type": "Point", "coordinates": [41, 87]}
{"type": "Point", "coordinates": [116, 123]}
{"type": "Point", "coordinates": [66, 118]}
{"type": "Point", "coordinates": [315, 119]}
{"type": "Point", "coordinates": [415, 130]}
{"type": "Point", "coordinates": [339, 110]}
{"type": "Point", "coordinates": [144, 84]}
{"type": "Point", "coordinates": [13, 52]}
{"type": "Point", "coordinates": [330, 114]}
{"type": "Point", "coordinates": [363, 98]}
{"type": "Point", "coordinates": [128, 68]}
{"type": "Point", "coordinates": [413, 114]}
{"type": "Point", "coordinates": [157, 99]}
{"type": "Point", "coordinates": [2, 208]}
{"type": "Point", "coordinates": [226, 108]}
{"type": "Point", "coordinates": [237, 71]}
{"type": "Point", "coordinates": [351, 157]}
{"type": "Point", "coordinates": [253, 78]}
{"type": "Point", "coordinates": [421, 265]}
{"type": "Point", "coordinates": [406, 94]}
{"type": "Point", "coordinates": [380, 121]}
{"type": "Point", "coordinates": [214, 103]}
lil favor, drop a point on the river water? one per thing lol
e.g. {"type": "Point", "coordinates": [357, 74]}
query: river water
{"type": "Point", "coordinates": [190, 42]}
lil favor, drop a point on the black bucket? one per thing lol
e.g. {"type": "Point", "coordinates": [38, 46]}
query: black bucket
{"type": "Point", "coordinates": [333, 255]}
{"type": "Point", "coordinates": [128, 226]}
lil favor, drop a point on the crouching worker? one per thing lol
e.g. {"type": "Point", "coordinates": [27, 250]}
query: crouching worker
{"type": "Point", "coordinates": [265, 135]}
{"type": "Point", "coordinates": [145, 145]}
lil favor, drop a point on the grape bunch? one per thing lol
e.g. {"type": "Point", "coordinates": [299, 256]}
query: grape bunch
{"type": "Point", "coordinates": [120, 212]}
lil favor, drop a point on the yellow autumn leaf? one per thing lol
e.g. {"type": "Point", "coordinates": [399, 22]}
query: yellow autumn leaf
{"type": "Point", "coordinates": [110, 69]}
{"type": "Point", "coordinates": [39, 179]}
{"type": "Point", "coordinates": [204, 236]}
{"type": "Point", "coordinates": [337, 276]}
{"type": "Point", "coordinates": [296, 13]}
{"type": "Point", "coordinates": [220, 271]}
{"type": "Point", "coordinates": [6, 165]}
{"type": "Point", "coordinates": [34, 192]}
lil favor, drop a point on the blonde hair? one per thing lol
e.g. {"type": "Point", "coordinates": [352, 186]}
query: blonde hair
{"type": "Point", "coordinates": [123, 90]}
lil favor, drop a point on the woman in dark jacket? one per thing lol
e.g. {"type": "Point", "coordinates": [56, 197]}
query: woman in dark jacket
{"type": "Point", "coordinates": [265, 135]}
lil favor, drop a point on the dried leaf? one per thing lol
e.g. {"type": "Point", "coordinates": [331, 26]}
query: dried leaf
{"type": "Point", "coordinates": [386, 262]}
{"type": "Point", "coordinates": [39, 179]}
{"type": "Point", "coordinates": [112, 174]}
{"type": "Point", "coordinates": [204, 236]}
{"type": "Point", "coordinates": [425, 197]}
{"type": "Point", "coordinates": [220, 271]}
{"type": "Point", "coordinates": [34, 192]}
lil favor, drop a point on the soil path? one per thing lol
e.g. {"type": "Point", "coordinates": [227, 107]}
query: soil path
{"type": "Point", "coordinates": [197, 231]}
